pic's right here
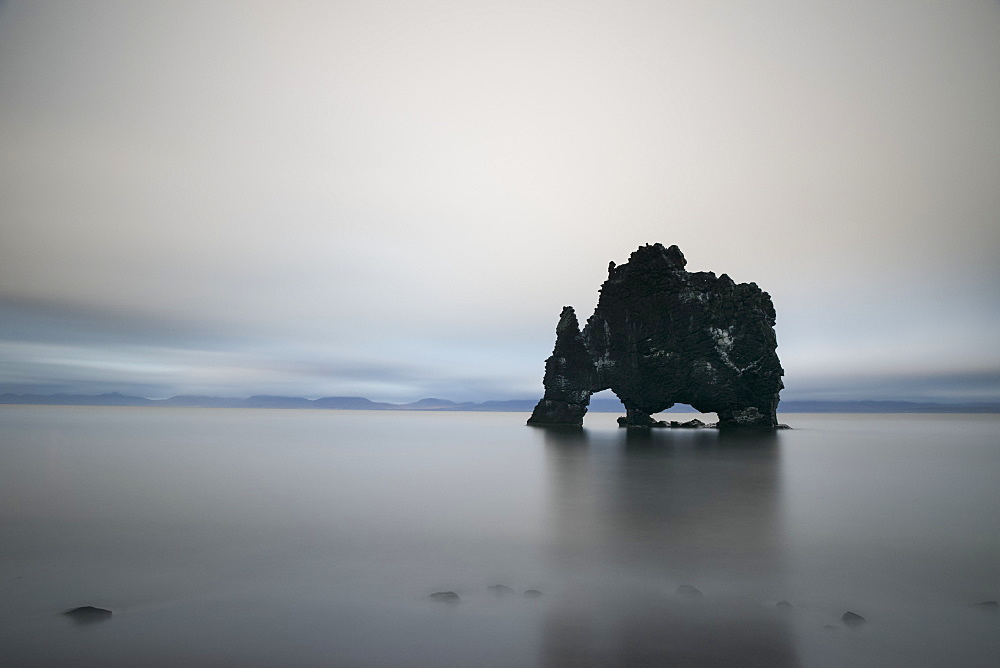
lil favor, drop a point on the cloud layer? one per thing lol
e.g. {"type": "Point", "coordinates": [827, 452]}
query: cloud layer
{"type": "Point", "coordinates": [395, 199]}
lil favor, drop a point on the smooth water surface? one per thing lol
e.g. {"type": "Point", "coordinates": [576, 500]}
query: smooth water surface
{"type": "Point", "coordinates": [286, 537]}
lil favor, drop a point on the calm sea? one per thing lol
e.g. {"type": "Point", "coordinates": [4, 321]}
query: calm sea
{"type": "Point", "coordinates": [286, 537]}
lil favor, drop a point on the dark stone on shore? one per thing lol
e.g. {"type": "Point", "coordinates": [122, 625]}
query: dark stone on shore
{"type": "Point", "coordinates": [687, 591]}
{"type": "Point", "coordinates": [445, 597]}
{"type": "Point", "coordinates": [88, 614]}
{"type": "Point", "coordinates": [783, 605]}
{"type": "Point", "coordinates": [852, 619]}
{"type": "Point", "coordinates": [989, 606]}
{"type": "Point", "coordinates": [501, 590]}
{"type": "Point", "coordinates": [532, 593]}
{"type": "Point", "coordinates": [661, 335]}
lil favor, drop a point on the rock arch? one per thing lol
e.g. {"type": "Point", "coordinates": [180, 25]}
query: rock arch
{"type": "Point", "coordinates": [661, 335]}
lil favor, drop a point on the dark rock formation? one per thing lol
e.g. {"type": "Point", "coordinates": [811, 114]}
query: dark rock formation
{"type": "Point", "coordinates": [569, 376]}
{"type": "Point", "coordinates": [852, 619]}
{"type": "Point", "coordinates": [88, 614]}
{"type": "Point", "coordinates": [532, 593]}
{"type": "Point", "coordinates": [688, 591]}
{"type": "Point", "coordinates": [445, 597]}
{"type": "Point", "coordinates": [501, 590]}
{"type": "Point", "coordinates": [662, 335]}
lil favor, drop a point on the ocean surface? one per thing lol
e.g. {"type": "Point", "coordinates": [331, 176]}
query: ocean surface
{"type": "Point", "coordinates": [287, 537]}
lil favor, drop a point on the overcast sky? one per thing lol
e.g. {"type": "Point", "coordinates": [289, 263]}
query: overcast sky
{"type": "Point", "coordinates": [395, 199]}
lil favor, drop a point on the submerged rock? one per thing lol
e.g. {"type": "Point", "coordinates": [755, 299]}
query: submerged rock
{"type": "Point", "coordinates": [501, 590]}
{"type": "Point", "coordinates": [661, 335]}
{"type": "Point", "coordinates": [783, 605]}
{"type": "Point", "coordinates": [687, 591]}
{"type": "Point", "coordinates": [88, 614]}
{"type": "Point", "coordinates": [852, 619]}
{"type": "Point", "coordinates": [445, 597]}
{"type": "Point", "coordinates": [989, 606]}
{"type": "Point", "coordinates": [532, 593]}
{"type": "Point", "coordinates": [641, 421]}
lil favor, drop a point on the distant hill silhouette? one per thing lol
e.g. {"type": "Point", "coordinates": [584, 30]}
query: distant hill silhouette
{"type": "Point", "coordinates": [349, 403]}
{"type": "Point", "coordinates": [190, 401]}
{"type": "Point", "coordinates": [109, 399]}
{"type": "Point", "coordinates": [599, 404]}
{"type": "Point", "coordinates": [430, 404]}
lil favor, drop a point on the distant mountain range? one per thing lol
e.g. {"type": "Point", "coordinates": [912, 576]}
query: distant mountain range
{"type": "Point", "coordinates": [270, 401]}
{"type": "Point", "coordinates": [600, 405]}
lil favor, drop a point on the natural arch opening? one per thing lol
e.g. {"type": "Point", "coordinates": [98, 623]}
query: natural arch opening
{"type": "Point", "coordinates": [682, 408]}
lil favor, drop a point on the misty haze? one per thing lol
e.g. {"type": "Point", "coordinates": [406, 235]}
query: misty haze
{"type": "Point", "coordinates": [263, 537]}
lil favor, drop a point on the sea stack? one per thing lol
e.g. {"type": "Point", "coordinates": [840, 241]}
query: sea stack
{"type": "Point", "coordinates": [661, 335]}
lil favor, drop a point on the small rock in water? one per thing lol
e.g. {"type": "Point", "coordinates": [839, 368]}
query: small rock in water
{"type": "Point", "coordinates": [445, 597]}
{"type": "Point", "coordinates": [88, 614]}
{"type": "Point", "coordinates": [532, 593]}
{"type": "Point", "coordinates": [991, 606]}
{"type": "Point", "coordinates": [688, 591]}
{"type": "Point", "coordinates": [692, 424]}
{"type": "Point", "coordinates": [501, 590]}
{"type": "Point", "coordinates": [784, 605]}
{"type": "Point", "coordinates": [852, 619]}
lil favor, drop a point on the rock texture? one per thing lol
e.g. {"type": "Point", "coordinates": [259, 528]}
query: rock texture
{"type": "Point", "coordinates": [662, 335]}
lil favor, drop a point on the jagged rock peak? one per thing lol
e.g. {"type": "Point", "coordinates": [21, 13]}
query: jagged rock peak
{"type": "Point", "coordinates": [569, 375]}
{"type": "Point", "coordinates": [656, 253]}
{"type": "Point", "coordinates": [567, 321]}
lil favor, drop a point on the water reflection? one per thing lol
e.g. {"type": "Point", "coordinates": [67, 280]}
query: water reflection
{"type": "Point", "coordinates": [636, 514]}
